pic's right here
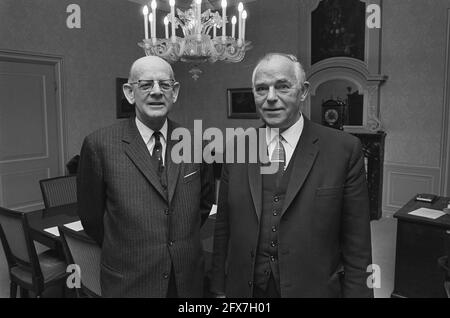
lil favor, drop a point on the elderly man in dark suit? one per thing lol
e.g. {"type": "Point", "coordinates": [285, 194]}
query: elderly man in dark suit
{"type": "Point", "coordinates": [303, 231]}
{"type": "Point", "coordinates": [144, 209]}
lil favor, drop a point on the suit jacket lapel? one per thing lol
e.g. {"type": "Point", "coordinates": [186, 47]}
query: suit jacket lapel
{"type": "Point", "coordinates": [173, 169]}
{"type": "Point", "coordinates": [307, 151]}
{"type": "Point", "coordinates": [137, 151]}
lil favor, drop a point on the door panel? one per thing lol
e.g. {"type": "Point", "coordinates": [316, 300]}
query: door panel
{"type": "Point", "coordinates": [29, 132]}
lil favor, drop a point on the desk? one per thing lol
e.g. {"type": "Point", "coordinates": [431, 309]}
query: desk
{"type": "Point", "coordinates": [420, 242]}
{"type": "Point", "coordinates": [43, 219]}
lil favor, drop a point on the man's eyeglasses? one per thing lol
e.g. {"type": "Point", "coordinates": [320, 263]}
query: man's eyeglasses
{"type": "Point", "coordinates": [147, 85]}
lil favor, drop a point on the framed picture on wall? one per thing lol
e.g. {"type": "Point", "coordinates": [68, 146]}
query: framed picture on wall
{"type": "Point", "coordinates": [123, 108]}
{"type": "Point", "coordinates": [241, 103]}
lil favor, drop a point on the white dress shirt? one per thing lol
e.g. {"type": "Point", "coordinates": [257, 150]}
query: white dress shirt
{"type": "Point", "coordinates": [290, 139]}
{"type": "Point", "coordinates": [149, 139]}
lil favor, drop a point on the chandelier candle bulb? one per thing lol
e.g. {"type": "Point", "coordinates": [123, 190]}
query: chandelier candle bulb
{"type": "Point", "coordinates": [166, 27]}
{"type": "Point", "coordinates": [233, 27]}
{"type": "Point", "coordinates": [154, 20]}
{"type": "Point", "coordinates": [199, 19]}
{"type": "Point", "coordinates": [240, 9]}
{"type": "Point", "coordinates": [172, 19]}
{"type": "Point", "coordinates": [244, 18]}
{"type": "Point", "coordinates": [224, 20]}
{"type": "Point", "coordinates": [215, 31]}
{"type": "Point", "coordinates": [145, 13]}
{"type": "Point", "coordinates": [150, 18]}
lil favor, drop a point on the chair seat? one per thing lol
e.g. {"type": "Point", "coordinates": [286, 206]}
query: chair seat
{"type": "Point", "coordinates": [51, 266]}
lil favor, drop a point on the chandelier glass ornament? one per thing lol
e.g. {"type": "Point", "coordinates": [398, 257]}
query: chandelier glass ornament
{"type": "Point", "coordinates": [200, 42]}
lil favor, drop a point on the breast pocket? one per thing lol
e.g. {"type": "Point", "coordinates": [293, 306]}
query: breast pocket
{"type": "Point", "coordinates": [189, 176]}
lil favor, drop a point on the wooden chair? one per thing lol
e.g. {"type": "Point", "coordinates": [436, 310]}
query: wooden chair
{"type": "Point", "coordinates": [27, 269]}
{"type": "Point", "coordinates": [444, 264]}
{"type": "Point", "coordinates": [83, 251]}
{"type": "Point", "coordinates": [59, 191]}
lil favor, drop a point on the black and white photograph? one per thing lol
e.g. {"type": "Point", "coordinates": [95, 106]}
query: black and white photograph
{"type": "Point", "coordinates": [225, 154]}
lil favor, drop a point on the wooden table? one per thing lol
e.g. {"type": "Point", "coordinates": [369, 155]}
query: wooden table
{"type": "Point", "coordinates": [57, 216]}
{"type": "Point", "coordinates": [43, 219]}
{"type": "Point", "coordinates": [420, 242]}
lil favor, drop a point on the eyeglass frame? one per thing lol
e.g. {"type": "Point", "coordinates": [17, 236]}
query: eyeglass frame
{"type": "Point", "coordinates": [172, 85]}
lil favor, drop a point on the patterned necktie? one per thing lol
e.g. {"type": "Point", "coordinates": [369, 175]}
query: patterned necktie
{"type": "Point", "coordinates": [279, 155]}
{"type": "Point", "coordinates": [157, 151]}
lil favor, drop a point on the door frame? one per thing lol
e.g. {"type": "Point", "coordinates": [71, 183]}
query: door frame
{"type": "Point", "coordinates": [445, 142]}
{"type": "Point", "coordinates": [56, 61]}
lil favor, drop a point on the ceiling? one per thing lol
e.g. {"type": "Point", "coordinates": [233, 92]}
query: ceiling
{"type": "Point", "coordinates": [184, 4]}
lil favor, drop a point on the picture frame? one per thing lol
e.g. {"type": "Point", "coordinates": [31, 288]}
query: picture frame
{"type": "Point", "coordinates": [241, 103]}
{"type": "Point", "coordinates": [123, 108]}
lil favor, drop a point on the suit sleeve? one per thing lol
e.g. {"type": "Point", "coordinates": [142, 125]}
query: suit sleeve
{"type": "Point", "coordinates": [355, 234]}
{"type": "Point", "coordinates": [91, 192]}
{"type": "Point", "coordinates": [221, 237]}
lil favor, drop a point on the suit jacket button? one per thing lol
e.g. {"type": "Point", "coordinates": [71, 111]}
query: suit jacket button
{"type": "Point", "coordinates": [171, 243]}
{"type": "Point", "coordinates": [276, 199]}
{"type": "Point", "coordinates": [166, 211]}
{"type": "Point", "coordinates": [250, 283]}
{"type": "Point", "coordinates": [165, 275]}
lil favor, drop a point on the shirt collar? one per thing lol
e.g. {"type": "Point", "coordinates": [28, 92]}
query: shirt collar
{"type": "Point", "coordinates": [147, 132]}
{"type": "Point", "coordinates": [290, 135]}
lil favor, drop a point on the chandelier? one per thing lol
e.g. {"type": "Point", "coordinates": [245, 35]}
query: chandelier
{"type": "Point", "coordinates": [200, 42]}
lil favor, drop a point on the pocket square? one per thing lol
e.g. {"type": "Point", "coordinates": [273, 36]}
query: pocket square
{"type": "Point", "coordinates": [188, 175]}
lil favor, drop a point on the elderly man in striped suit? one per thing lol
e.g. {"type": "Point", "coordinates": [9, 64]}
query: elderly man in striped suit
{"type": "Point", "coordinates": [144, 209]}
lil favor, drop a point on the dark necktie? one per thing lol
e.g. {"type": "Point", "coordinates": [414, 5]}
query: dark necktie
{"type": "Point", "coordinates": [157, 151]}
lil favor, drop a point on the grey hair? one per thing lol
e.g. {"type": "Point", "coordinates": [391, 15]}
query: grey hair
{"type": "Point", "coordinates": [298, 68]}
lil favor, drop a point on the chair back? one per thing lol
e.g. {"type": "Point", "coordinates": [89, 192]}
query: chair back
{"type": "Point", "coordinates": [17, 244]}
{"type": "Point", "coordinates": [59, 191]}
{"type": "Point", "coordinates": [447, 266]}
{"type": "Point", "coordinates": [84, 252]}
{"type": "Point", "coordinates": [444, 263]}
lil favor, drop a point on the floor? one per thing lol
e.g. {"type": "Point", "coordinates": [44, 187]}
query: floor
{"type": "Point", "coordinates": [383, 250]}
{"type": "Point", "coordinates": [384, 233]}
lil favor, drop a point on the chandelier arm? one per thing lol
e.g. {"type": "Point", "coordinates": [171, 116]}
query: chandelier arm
{"type": "Point", "coordinates": [212, 48]}
{"type": "Point", "coordinates": [207, 29]}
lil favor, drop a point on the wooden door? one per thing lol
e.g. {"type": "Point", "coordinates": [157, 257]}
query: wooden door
{"type": "Point", "coordinates": [30, 137]}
